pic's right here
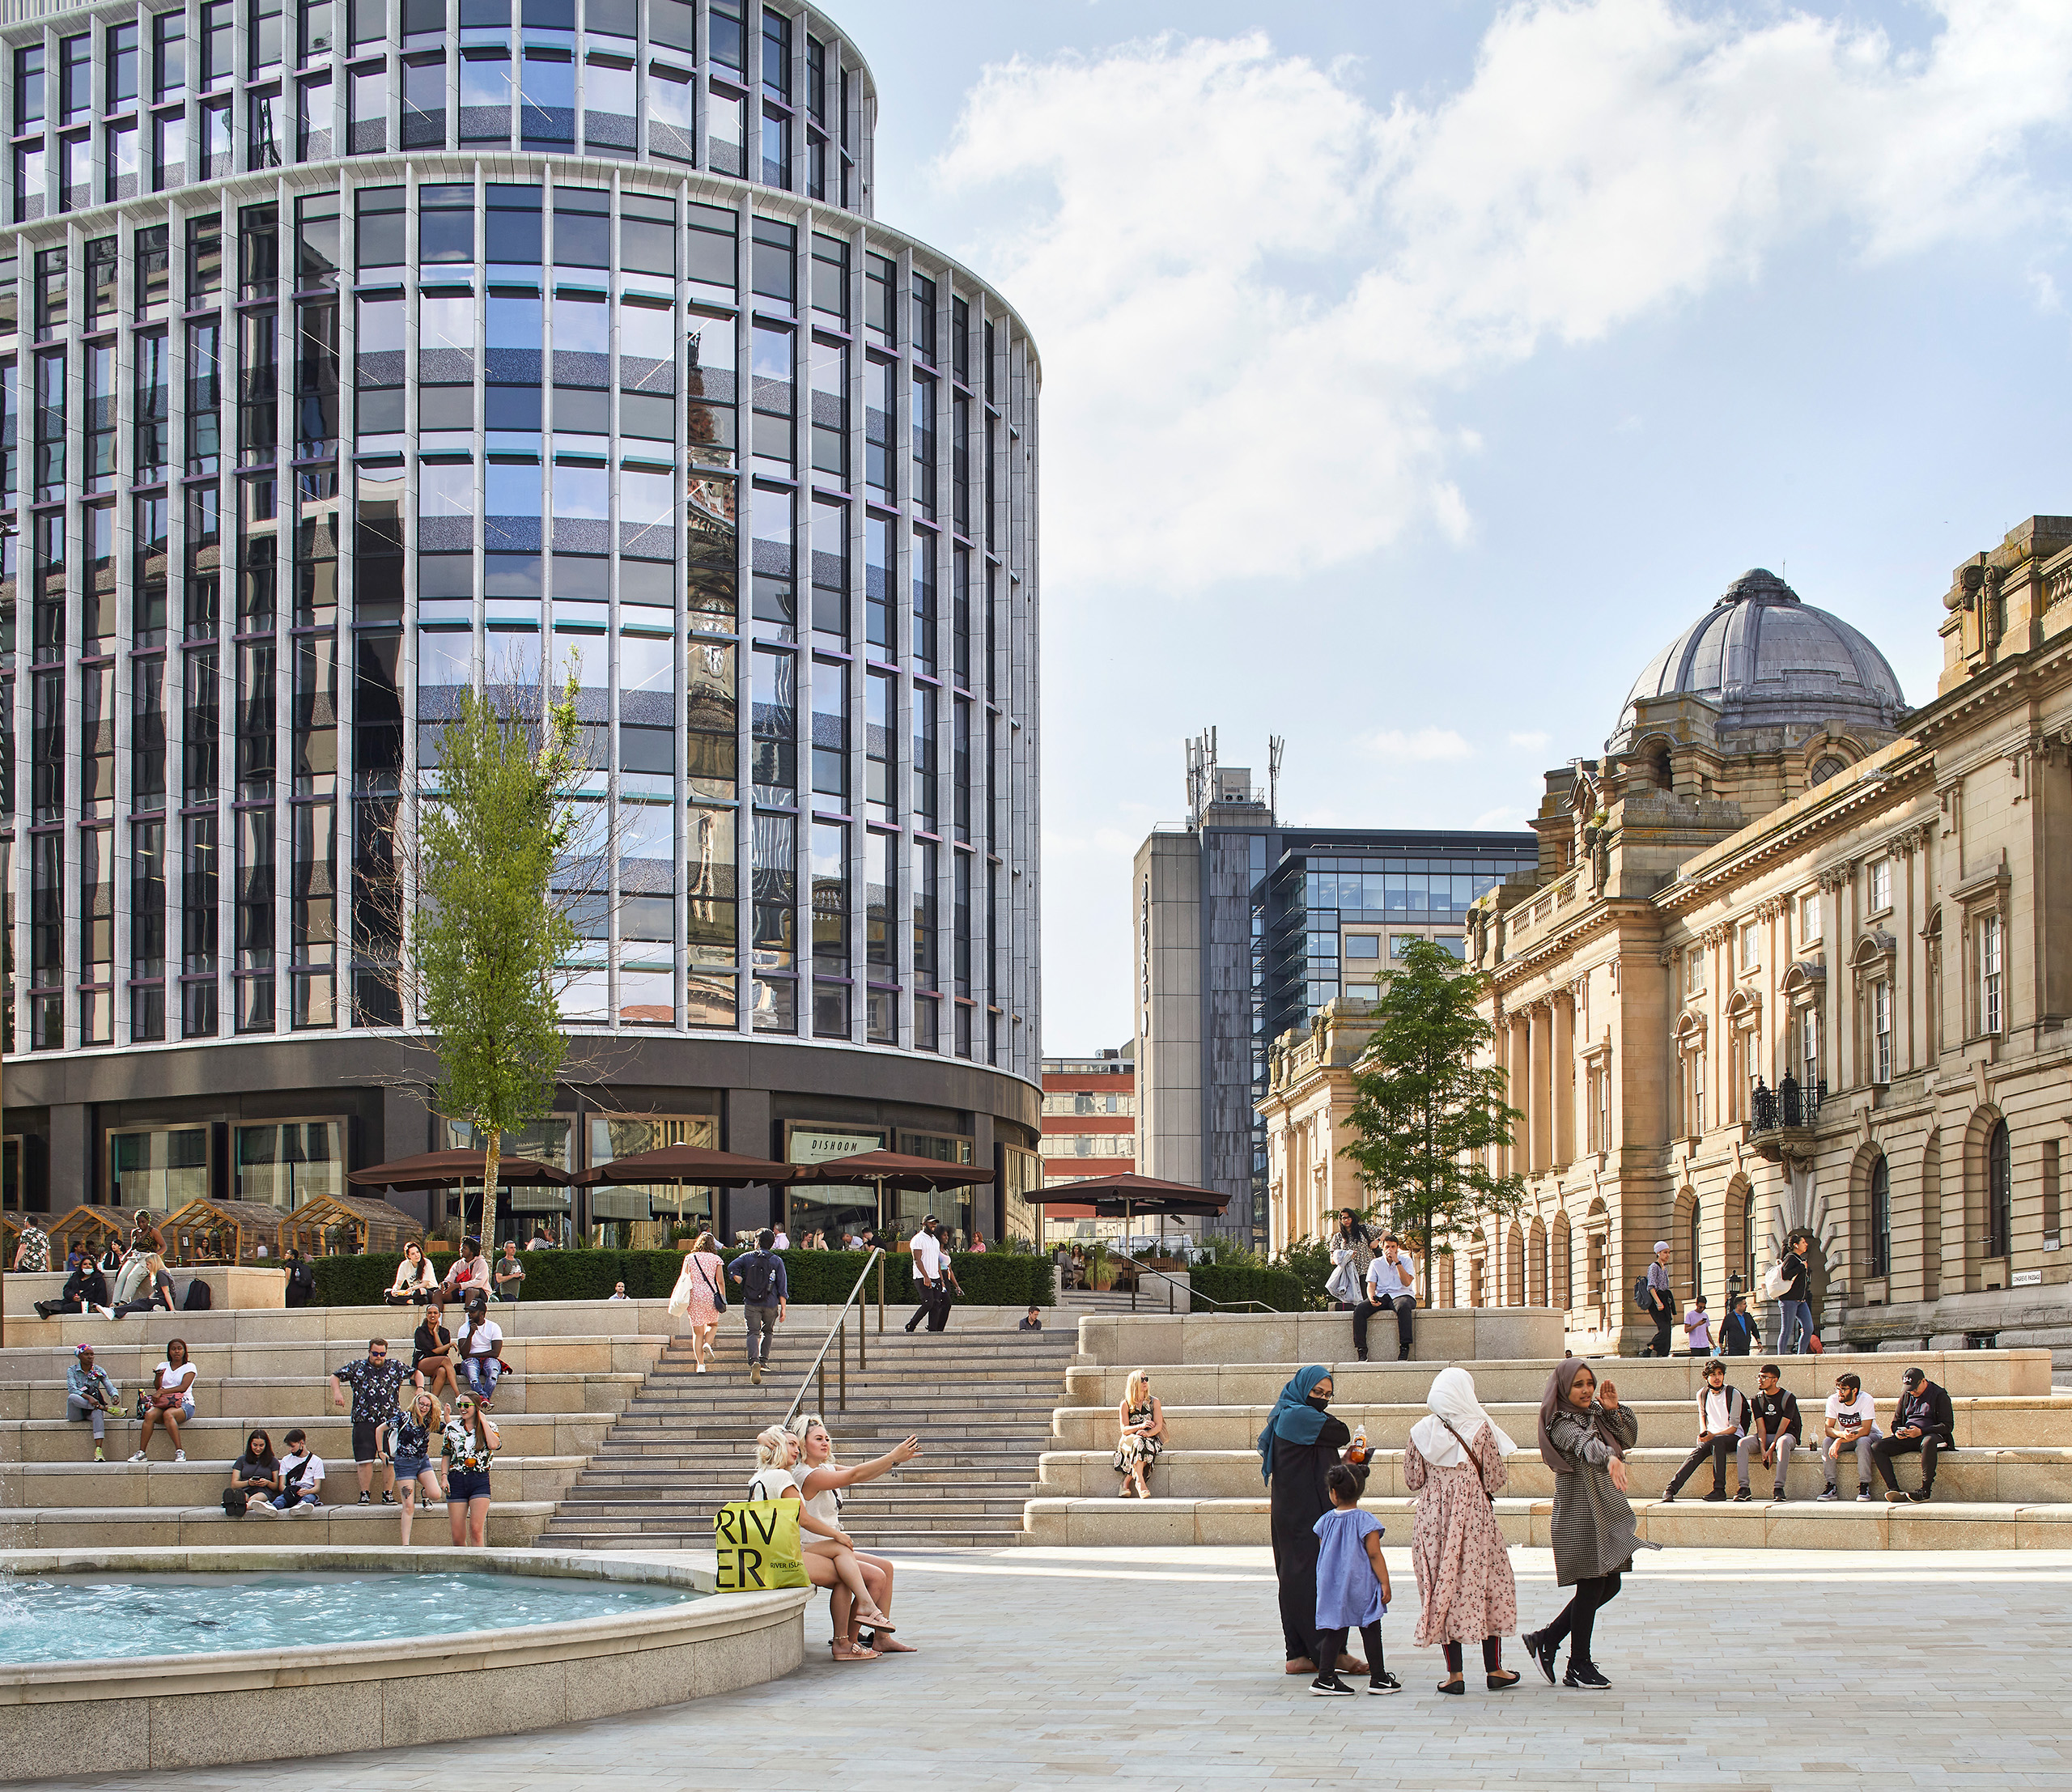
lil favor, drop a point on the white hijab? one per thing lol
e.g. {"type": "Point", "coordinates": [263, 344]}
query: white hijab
{"type": "Point", "coordinates": [1452, 1399]}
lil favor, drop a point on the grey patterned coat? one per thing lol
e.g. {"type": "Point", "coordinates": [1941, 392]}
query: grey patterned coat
{"type": "Point", "coordinates": [1593, 1531]}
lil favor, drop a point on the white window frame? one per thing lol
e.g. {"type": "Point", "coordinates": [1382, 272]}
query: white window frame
{"type": "Point", "coordinates": [1992, 975]}
{"type": "Point", "coordinates": [1881, 1030]}
{"type": "Point", "coordinates": [1881, 885]}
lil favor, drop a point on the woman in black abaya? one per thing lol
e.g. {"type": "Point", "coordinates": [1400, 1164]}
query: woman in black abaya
{"type": "Point", "coordinates": [1301, 1444]}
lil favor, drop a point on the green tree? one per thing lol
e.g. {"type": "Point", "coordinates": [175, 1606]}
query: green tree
{"type": "Point", "coordinates": [1425, 1115]}
{"type": "Point", "coordinates": [490, 939]}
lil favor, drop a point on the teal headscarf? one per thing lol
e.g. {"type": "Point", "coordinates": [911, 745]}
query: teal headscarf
{"type": "Point", "coordinates": [1294, 1418]}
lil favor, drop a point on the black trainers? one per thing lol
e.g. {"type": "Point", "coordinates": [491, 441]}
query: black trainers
{"type": "Point", "coordinates": [1922, 1498]}
{"type": "Point", "coordinates": [1742, 1495]}
{"type": "Point", "coordinates": [1669, 1499]}
{"type": "Point", "coordinates": [1383, 1684]}
{"type": "Point", "coordinates": [388, 1496]}
{"type": "Point", "coordinates": [1541, 1648]}
{"type": "Point", "coordinates": [1584, 1676]}
{"type": "Point", "coordinates": [1718, 1494]}
{"type": "Point", "coordinates": [1330, 1686]}
{"type": "Point", "coordinates": [365, 1498]}
{"type": "Point", "coordinates": [1827, 1493]}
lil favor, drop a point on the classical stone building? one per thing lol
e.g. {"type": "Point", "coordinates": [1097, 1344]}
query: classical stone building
{"type": "Point", "coordinates": [1795, 956]}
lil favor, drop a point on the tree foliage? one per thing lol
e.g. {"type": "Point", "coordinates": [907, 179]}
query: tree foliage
{"type": "Point", "coordinates": [1426, 1116]}
{"type": "Point", "coordinates": [490, 940]}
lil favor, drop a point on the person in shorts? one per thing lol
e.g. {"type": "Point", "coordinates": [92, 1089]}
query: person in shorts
{"type": "Point", "coordinates": [405, 1442]}
{"type": "Point", "coordinates": [469, 1442]}
{"type": "Point", "coordinates": [375, 1380]}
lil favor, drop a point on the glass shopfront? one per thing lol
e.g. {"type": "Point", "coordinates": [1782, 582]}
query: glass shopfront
{"type": "Point", "coordinates": [641, 1216]}
{"type": "Point", "coordinates": [160, 1168]}
{"type": "Point", "coordinates": [836, 1210]}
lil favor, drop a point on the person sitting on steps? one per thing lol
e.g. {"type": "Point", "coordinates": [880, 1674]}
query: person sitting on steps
{"type": "Point", "coordinates": [1391, 1285]}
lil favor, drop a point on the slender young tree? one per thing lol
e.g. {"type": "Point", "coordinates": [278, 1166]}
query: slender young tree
{"type": "Point", "coordinates": [1426, 1116]}
{"type": "Point", "coordinates": [489, 942]}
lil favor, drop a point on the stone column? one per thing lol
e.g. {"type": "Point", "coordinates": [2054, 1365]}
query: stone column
{"type": "Point", "coordinates": [1520, 1095]}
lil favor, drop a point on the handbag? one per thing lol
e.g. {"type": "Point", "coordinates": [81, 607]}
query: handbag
{"type": "Point", "coordinates": [719, 1295]}
{"type": "Point", "coordinates": [1339, 1285]}
{"type": "Point", "coordinates": [236, 1501]}
{"type": "Point", "coordinates": [757, 1543]}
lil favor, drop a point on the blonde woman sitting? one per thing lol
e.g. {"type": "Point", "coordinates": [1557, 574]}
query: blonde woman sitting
{"type": "Point", "coordinates": [1143, 1423]}
{"type": "Point", "coordinates": [825, 1550]}
{"type": "Point", "coordinates": [822, 1485]}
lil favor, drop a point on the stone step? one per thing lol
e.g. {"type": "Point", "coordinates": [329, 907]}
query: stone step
{"type": "Point", "coordinates": [263, 1397]}
{"type": "Point", "coordinates": [1205, 1381]}
{"type": "Point", "coordinates": [685, 1537]}
{"type": "Point", "coordinates": [921, 1511]}
{"type": "Point", "coordinates": [163, 1482]}
{"type": "Point", "coordinates": [514, 1526]}
{"type": "Point", "coordinates": [2008, 1421]}
{"type": "Point", "coordinates": [1449, 1335]}
{"type": "Point", "coordinates": [130, 1364]}
{"type": "Point", "coordinates": [1795, 1524]}
{"type": "Point", "coordinates": [220, 1439]}
{"type": "Point", "coordinates": [1966, 1476]}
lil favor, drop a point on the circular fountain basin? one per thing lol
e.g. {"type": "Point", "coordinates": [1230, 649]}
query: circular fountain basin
{"type": "Point", "coordinates": [209, 1657]}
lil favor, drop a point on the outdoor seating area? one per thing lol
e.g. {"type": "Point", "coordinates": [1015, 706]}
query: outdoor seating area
{"type": "Point", "coordinates": [2007, 1484]}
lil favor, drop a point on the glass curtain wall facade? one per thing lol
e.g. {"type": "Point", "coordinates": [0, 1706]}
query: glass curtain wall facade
{"type": "Point", "coordinates": [355, 351]}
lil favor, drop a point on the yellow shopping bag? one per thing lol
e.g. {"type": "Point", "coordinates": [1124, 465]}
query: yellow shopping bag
{"type": "Point", "coordinates": [758, 1545]}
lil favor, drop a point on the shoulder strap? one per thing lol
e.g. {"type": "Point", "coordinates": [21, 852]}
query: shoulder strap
{"type": "Point", "coordinates": [1466, 1451]}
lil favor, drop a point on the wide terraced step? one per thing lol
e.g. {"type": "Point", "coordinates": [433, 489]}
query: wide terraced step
{"type": "Point", "coordinates": [982, 1403]}
{"type": "Point", "coordinates": [512, 1525]}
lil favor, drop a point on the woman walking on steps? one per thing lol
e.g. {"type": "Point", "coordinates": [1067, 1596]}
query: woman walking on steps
{"type": "Point", "coordinates": [1583, 1435]}
{"type": "Point", "coordinates": [1455, 1464]}
{"type": "Point", "coordinates": [697, 1298]}
{"type": "Point", "coordinates": [1298, 1449]}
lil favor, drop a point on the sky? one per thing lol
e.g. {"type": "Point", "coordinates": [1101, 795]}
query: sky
{"type": "Point", "coordinates": [1413, 370]}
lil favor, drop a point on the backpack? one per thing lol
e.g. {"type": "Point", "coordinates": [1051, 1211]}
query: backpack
{"type": "Point", "coordinates": [759, 1277]}
{"type": "Point", "coordinates": [1640, 1295]}
{"type": "Point", "coordinates": [235, 1502]}
{"type": "Point", "coordinates": [198, 1296]}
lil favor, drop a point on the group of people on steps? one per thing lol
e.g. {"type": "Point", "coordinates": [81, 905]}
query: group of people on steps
{"type": "Point", "coordinates": [1327, 1552]}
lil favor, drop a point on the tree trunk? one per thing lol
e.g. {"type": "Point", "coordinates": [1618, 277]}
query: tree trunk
{"type": "Point", "coordinates": [492, 1156]}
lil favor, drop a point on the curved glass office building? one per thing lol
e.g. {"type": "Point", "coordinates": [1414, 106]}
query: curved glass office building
{"type": "Point", "coordinates": [354, 351]}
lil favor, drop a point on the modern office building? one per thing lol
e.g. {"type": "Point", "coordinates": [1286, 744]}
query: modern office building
{"type": "Point", "coordinates": [1244, 928]}
{"type": "Point", "coordinates": [355, 351]}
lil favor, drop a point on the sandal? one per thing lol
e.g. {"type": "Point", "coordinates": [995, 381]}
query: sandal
{"type": "Point", "coordinates": [852, 1651]}
{"type": "Point", "coordinates": [887, 1645]}
{"type": "Point", "coordinates": [875, 1621]}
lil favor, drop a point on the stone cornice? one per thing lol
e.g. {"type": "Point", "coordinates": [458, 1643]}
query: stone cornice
{"type": "Point", "coordinates": [1598, 918]}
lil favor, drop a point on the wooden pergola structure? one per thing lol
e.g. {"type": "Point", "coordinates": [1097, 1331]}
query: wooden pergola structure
{"type": "Point", "coordinates": [344, 1225]}
{"type": "Point", "coordinates": [91, 1225]}
{"type": "Point", "coordinates": [208, 1231]}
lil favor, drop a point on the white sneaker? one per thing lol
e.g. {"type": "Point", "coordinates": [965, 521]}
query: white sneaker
{"type": "Point", "coordinates": [139, 1458]}
{"type": "Point", "coordinates": [180, 1455]}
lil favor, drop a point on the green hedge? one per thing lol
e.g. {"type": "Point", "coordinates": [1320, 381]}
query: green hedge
{"type": "Point", "coordinates": [816, 1278]}
{"type": "Point", "coordinates": [1280, 1289]}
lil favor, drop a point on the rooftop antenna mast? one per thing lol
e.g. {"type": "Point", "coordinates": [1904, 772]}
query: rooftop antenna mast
{"type": "Point", "coordinates": [1276, 745]}
{"type": "Point", "coordinates": [1201, 775]}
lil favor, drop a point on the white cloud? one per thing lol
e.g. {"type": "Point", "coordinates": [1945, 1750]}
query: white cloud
{"type": "Point", "coordinates": [1420, 744]}
{"type": "Point", "coordinates": [1255, 294]}
{"type": "Point", "coordinates": [1535, 741]}
{"type": "Point", "coordinates": [2043, 291]}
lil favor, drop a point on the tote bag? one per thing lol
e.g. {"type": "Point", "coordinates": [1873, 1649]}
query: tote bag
{"type": "Point", "coordinates": [758, 1541]}
{"type": "Point", "coordinates": [1775, 1281]}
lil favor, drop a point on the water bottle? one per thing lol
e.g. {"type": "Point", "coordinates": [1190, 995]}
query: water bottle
{"type": "Point", "coordinates": [1359, 1452]}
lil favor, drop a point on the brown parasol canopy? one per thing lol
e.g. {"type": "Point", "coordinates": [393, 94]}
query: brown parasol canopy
{"type": "Point", "coordinates": [686, 1163]}
{"type": "Point", "coordinates": [1128, 1197]}
{"type": "Point", "coordinates": [890, 1170]}
{"type": "Point", "coordinates": [451, 1168]}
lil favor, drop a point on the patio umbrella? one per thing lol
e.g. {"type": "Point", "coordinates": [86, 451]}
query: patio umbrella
{"type": "Point", "coordinates": [884, 1169]}
{"type": "Point", "coordinates": [1126, 1197]}
{"type": "Point", "coordinates": [688, 1165]}
{"type": "Point", "coordinates": [457, 1170]}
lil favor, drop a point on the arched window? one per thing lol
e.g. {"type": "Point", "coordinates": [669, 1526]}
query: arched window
{"type": "Point", "coordinates": [1748, 1244]}
{"type": "Point", "coordinates": [1697, 1260]}
{"type": "Point", "coordinates": [1881, 1218]}
{"type": "Point", "coordinates": [1999, 1192]}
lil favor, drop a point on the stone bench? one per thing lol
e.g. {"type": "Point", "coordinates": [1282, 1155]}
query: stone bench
{"type": "Point", "coordinates": [34, 1440]}
{"type": "Point", "coordinates": [515, 1525]}
{"type": "Point", "coordinates": [261, 1398]}
{"type": "Point", "coordinates": [1443, 1335]}
{"type": "Point", "coordinates": [92, 1486]}
{"type": "Point", "coordinates": [231, 1286]}
{"type": "Point", "coordinates": [130, 1360]}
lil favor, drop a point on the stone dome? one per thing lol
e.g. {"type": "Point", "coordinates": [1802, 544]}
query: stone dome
{"type": "Point", "coordinates": [1769, 662]}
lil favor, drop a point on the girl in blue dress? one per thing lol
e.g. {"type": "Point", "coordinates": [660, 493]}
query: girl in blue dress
{"type": "Point", "coordinates": [1352, 1587]}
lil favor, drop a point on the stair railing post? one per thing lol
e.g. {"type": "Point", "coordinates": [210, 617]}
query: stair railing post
{"type": "Point", "coordinates": [862, 1341]}
{"type": "Point", "coordinates": [822, 1372]}
{"type": "Point", "coordinates": [881, 1293]}
{"type": "Point", "coordinates": [842, 1365]}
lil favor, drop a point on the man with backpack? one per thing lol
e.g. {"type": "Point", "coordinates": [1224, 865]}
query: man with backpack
{"type": "Point", "coordinates": [765, 1293]}
{"type": "Point", "coordinates": [1651, 1295]}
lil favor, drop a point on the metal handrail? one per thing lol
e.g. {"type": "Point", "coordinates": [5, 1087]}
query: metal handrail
{"type": "Point", "coordinates": [838, 1329]}
{"type": "Point", "coordinates": [1145, 1269]}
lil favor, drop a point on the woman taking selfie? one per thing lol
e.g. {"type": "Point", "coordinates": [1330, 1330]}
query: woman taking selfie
{"type": "Point", "coordinates": [1583, 1435]}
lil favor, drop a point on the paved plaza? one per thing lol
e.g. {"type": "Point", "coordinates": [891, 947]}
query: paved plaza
{"type": "Point", "coordinates": [1160, 1669]}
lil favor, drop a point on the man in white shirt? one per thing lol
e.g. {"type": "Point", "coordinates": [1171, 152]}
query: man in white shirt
{"type": "Point", "coordinates": [930, 1277]}
{"type": "Point", "coordinates": [1851, 1423]}
{"type": "Point", "coordinates": [782, 1241]}
{"type": "Point", "coordinates": [1391, 1279]}
{"type": "Point", "coordinates": [480, 1340]}
{"type": "Point", "coordinates": [302, 1476]}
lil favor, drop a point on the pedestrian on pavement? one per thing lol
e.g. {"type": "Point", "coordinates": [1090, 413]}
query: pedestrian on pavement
{"type": "Point", "coordinates": [1302, 1443]}
{"type": "Point", "coordinates": [1698, 1327]}
{"type": "Point", "coordinates": [1352, 1586]}
{"type": "Point", "coordinates": [1391, 1285]}
{"type": "Point", "coordinates": [1454, 1462]}
{"type": "Point", "coordinates": [299, 1287]}
{"type": "Point", "coordinates": [1774, 1430]}
{"type": "Point", "coordinates": [765, 1294]}
{"type": "Point", "coordinates": [1922, 1423]}
{"type": "Point", "coordinates": [823, 1483]}
{"type": "Point", "coordinates": [375, 1380]}
{"type": "Point", "coordinates": [1722, 1417]}
{"type": "Point", "coordinates": [1737, 1334]}
{"type": "Point", "coordinates": [1794, 1304]}
{"type": "Point", "coordinates": [1851, 1424]}
{"type": "Point", "coordinates": [1584, 1435]}
{"type": "Point", "coordinates": [932, 1277]}
{"type": "Point", "coordinates": [1662, 1302]}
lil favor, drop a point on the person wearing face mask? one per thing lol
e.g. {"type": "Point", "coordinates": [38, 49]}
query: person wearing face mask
{"type": "Point", "coordinates": [1301, 1444]}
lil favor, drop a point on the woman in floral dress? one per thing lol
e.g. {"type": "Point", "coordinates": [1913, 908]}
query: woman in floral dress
{"type": "Point", "coordinates": [1454, 1462]}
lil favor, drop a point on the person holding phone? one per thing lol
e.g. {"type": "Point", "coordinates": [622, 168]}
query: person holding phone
{"type": "Point", "coordinates": [469, 1440]}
